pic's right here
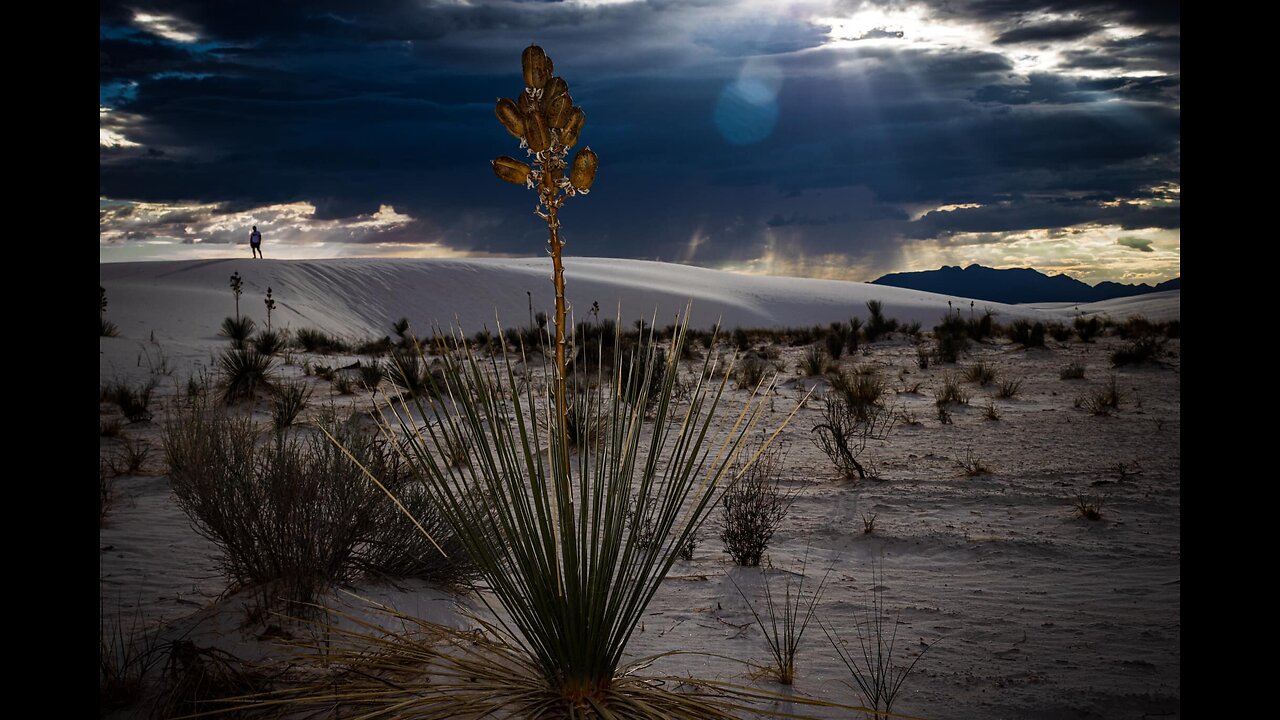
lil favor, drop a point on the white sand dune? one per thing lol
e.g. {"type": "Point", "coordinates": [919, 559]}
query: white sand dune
{"type": "Point", "coordinates": [1041, 614]}
{"type": "Point", "coordinates": [362, 298]}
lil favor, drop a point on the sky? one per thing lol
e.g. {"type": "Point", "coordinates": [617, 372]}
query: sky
{"type": "Point", "coordinates": [838, 139]}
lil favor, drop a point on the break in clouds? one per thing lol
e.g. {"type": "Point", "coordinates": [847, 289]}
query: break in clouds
{"type": "Point", "coordinates": [830, 139]}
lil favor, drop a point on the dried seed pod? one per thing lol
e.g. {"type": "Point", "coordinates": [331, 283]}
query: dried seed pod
{"type": "Point", "coordinates": [554, 88]}
{"type": "Point", "coordinates": [510, 116]}
{"type": "Point", "coordinates": [527, 103]}
{"type": "Point", "coordinates": [572, 126]}
{"type": "Point", "coordinates": [558, 111]}
{"type": "Point", "coordinates": [536, 134]}
{"type": "Point", "coordinates": [511, 170]}
{"type": "Point", "coordinates": [583, 174]}
{"type": "Point", "coordinates": [536, 65]}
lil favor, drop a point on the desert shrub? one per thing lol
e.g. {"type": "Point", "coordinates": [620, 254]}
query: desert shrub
{"type": "Point", "coordinates": [1009, 388]}
{"type": "Point", "coordinates": [952, 338]}
{"type": "Point", "coordinates": [846, 430]}
{"type": "Point", "coordinates": [640, 371]}
{"type": "Point", "coordinates": [950, 392]}
{"type": "Point", "coordinates": [1173, 329]}
{"type": "Point", "coordinates": [1087, 328]}
{"type": "Point", "coordinates": [134, 402]}
{"type": "Point", "coordinates": [375, 348]}
{"type": "Point", "coordinates": [244, 370]}
{"type": "Point", "coordinates": [1145, 349]}
{"type": "Point", "coordinates": [407, 370]}
{"type": "Point", "coordinates": [288, 401]}
{"type": "Point", "coordinates": [754, 505]}
{"type": "Point", "coordinates": [292, 512]}
{"type": "Point", "coordinates": [130, 458]}
{"type": "Point", "coordinates": [107, 328]}
{"type": "Point", "coordinates": [1026, 333]}
{"type": "Point", "coordinates": [740, 340]}
{"type": "Point", "coordinates": [878, 325]}
{"type": "Point", "coordinates": [751, 371]}
{"type": "Point", "coordinates": [268, 342]}
{"type": "Point", "coordinates": [1074, 371]}
{"type": "Point", "coordinates": [837, 338]}
{"type": "Point", "coordinates": [1136, 326]}
{"type": "Point", "coordinates": [344, 383]}
{"type": "Point", "coordinates": [911, 330]}
{"type": "Point", "coordinates": [1059, 331]}
{"type": "Point", "coordinates": [980, 373]}
{"type": "Point", "coordinates": [110, 427]}
{"type": "Point", "coordinates": [397, 546]}
{"type": "Point", "coordinates": [238, 330]}
{"type": "Point", "coordinates": [1089, 507]}
{"type": "Point", "coordinates": [313, 340]}
{"type": "Point", "coordinates": [981, 328]}
{"type": "Point", "coordinates": [371, 375]}
{"type": "Point", "coordinates": [814, 361]}
{"type": "Point", "coordinates": [860, 389]}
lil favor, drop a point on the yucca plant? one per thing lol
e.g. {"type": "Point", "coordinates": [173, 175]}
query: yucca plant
{"type": "Point", "coordinates": [238, 329]}
{"type": "Point", "coordinates": [571, 543]}
{"type": "Point", "coordinates": [244, 370]}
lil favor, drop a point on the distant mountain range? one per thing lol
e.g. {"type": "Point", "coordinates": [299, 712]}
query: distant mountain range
{"type": "Point", "coordinates": [1015, 285]}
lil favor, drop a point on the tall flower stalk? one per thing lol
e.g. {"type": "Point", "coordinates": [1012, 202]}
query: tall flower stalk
{"type": "Point", "coordinates": [547, 123]}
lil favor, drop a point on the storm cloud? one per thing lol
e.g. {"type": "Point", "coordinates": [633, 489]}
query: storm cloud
{"type": "Point", "coordinates": [725, 131]}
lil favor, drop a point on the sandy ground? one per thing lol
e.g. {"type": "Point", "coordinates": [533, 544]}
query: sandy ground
{"type": "Point", "coordinates": [1037, 613]}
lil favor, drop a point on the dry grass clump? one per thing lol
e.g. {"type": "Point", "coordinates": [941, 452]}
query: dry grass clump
{"type": "Point", "coordinates": [950, 392]}
{"type": "Point", "coordinates": [980, 373]}
{"type": "Point", "coordinates": [1103, 401]}
{"type": "Point", "coordinates": [293, 513]}
{"type": "Point", "coordinates": [878, 674]}
{"type": "Point", "coordinates": [971, 464]}
{"type": "Point", "coordinates": [1009, 388]}
{"type": "Point", "coordinates": [1074, 371]}
{"type": "Point", "coordinates": [1089, 507]}
{"type": "Point", "coordinates": [785, 627]}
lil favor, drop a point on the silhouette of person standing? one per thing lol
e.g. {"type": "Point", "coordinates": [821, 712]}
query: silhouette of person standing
{"type": "Point", "coordinates": [255, 242]}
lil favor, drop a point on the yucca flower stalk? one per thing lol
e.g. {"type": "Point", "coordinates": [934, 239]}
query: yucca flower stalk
{"type": "Point", "coordinates": [271, 305]}
{"type": "Point", "coordinates": [547, 123]}
{"type": "Point", "coordinates": [237, 287]}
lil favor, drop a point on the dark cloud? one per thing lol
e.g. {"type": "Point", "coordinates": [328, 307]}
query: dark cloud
{"type": "Point", "coordinates": [1028, 214]}
{"type": "Point", "coordinates": [1136, 243]}
{"type": "Point", "coordinates": [1048, 31]}
{"type": "Point", "coordinates": [353, 106]}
